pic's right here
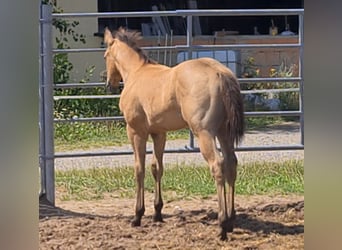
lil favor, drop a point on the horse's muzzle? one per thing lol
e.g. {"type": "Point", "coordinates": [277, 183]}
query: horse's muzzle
{"type": "Point", "coordinates": [107, 87]}
{"type": "Point", "coordinates": [110, 89]}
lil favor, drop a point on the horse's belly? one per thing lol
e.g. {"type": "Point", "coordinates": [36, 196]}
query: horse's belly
{"type": "Point", "coordinates": [166, 122]}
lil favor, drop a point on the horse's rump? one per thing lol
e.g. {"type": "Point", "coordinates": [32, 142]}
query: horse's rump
{"type": "Point", "coordinates": [208, 89]}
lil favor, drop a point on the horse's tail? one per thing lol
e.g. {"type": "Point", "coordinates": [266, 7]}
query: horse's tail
{"type": "Point", "coordinates": [234, 107]}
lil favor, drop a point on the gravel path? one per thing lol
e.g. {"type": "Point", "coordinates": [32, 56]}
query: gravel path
{"type": "Point", "coordinates": [287, 133]}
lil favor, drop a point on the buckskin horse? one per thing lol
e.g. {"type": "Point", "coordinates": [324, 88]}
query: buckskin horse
{"type": "Point", "coordinates": [201, 94]}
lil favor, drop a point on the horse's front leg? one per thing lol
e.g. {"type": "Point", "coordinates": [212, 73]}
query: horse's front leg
{"type": "Point", "coordinates": [157, 172]}
{"type": "Point", "coordinates": [138, 141]}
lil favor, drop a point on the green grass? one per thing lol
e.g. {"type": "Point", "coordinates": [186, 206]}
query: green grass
{"type": "Point", "coordinates": [71, 136]}
{"type": "Point", "coordinates": [254, 123]}
{"type": "Point", "coordinates": [184, 181]}
{"type": "Point", "coordinates": [94, 135]}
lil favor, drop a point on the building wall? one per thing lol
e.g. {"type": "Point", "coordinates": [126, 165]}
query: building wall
{"type": "Point", "coordinates": [87, 27]}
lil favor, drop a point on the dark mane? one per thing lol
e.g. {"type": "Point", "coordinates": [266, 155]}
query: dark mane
{"type": "Point", "coordinates": [131, 38]}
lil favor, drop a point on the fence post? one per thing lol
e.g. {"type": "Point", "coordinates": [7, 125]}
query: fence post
{"type": "Point", "coordinates": [301, 70]}
{"type": "Point", "coordinates": [189, 45]}
{"type": "Point", "coordinates": [46, 129]}
{"type": "Point", "coordinates": [41, 110]}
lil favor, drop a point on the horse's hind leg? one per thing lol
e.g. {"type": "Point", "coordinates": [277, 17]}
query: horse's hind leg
{"type": "Point", "coordinates": [230, 165]}
{"type": "Point", "coordinates": [216, 162]}
{"type": "Point", "coordinates": [138, 141]}
{"type": "Point", "coordinates": [157, 172]}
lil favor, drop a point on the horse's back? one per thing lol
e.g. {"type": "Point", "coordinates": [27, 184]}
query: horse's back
{"type": "Point", "coordinates": [169, 98]}
{"type": "Point", "coordinates": [205, 64]}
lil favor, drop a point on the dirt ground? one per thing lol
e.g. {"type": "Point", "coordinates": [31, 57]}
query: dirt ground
{"type": "Point", "coordinates": [262, 222]}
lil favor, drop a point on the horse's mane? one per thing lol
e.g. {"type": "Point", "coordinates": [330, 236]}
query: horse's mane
{"type": "Point", "coordinates": [131, 38]}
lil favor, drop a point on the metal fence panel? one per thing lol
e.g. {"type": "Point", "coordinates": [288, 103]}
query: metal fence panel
{"type": "Point", "coordinates": [46, 122]}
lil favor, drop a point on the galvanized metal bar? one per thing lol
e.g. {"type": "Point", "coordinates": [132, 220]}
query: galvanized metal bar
{"type": "Point", "coordinates": [73, 97]}
{"type": "Point", "coordinates": [90, 119]}
{"type": "Point", "coordinates": [240, 46]}
{"type": "Point", "coordinates": [121, 118]}
{"type": "Point", "coordinates": [182, 12]}
{"type": "Point", "coordinates": [301, 73]}
{"type": "Point", "coordinates": [189, 34]}
{"type": "Point", "coordinates": [180, 150]}
{"type": "Point", "coordinates": [187, 47]}
{"type": "Point", "coordinates": [269, 79]}
{"type": "Point", "coordinates": [273, 113]}
{"type": "Point", "coordinates": [79, 85]}
{"type": "Point", "coordinates": [240, 12]}
{"type": "Point", "coordinates": [241, 80]}
{"type": "Point", "coordinates": [270, 148]}
{"type": "Point", "coordinates": [269, 90]}
{"type": "Point", "coordinates": [47, 89]}
{"type": "Point", "coordinates": [78, 50]}
{"type": "Point", "coordinates": [41, 124]}
{"type": "Point", "coordinates": [121, 14]}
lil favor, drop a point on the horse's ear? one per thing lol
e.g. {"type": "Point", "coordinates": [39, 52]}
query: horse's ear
{"type": "Point", "coordinates": [108, 37]}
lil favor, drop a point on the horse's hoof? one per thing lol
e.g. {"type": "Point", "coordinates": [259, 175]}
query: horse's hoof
{"type": "Point", "coordinates": [230, 228]}
{"type": "Point", "coordinates": [223, 235]}
{"type": "Point", "coordinates": [136, 223]}
{"type": "Point", "coordinates": [158, 218]}
{"type": "Point", "coordinates": [226, 227]}
{"type": "Point", "coordinates": [230, 224]}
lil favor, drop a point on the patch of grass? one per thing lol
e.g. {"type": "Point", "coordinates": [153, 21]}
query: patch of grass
{"type": "Point", "coordinates": [93, 183]}
{"type": "Point", "coordinates": [253, 123]}
{"type": "Point", "coordinates": [179, 134]}
{"type": "Point", "coordinates": [78, 135]}
{"type": "Point", "coordinates": [269, 178]}
{"type": "Point", "coordinates": [89, 135]}
{"type": "Point", "coordinates": [184, 181]}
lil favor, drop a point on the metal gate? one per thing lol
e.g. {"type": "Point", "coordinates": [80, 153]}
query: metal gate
{"type": "Point", "coordinates": [46, 85]}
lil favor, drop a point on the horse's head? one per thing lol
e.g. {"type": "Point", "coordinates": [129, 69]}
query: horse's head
{"type": "Point", "coordinates": [113, 75]}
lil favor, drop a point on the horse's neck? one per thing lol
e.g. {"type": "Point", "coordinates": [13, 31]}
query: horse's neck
{"type": "Point", "coordinates": [128, 62]}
